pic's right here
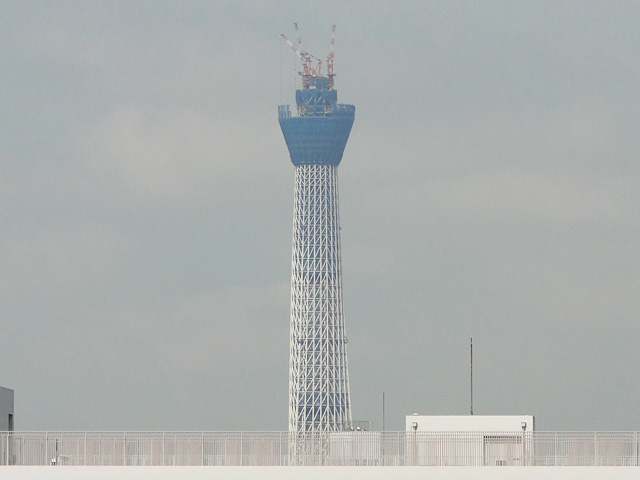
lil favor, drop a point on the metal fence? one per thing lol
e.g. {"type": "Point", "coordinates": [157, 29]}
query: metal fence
{"type": "Point", "coordinates": [336, 448]}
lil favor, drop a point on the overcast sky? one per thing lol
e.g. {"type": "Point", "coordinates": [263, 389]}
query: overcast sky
{"type": "Point", "coordinates": [489, 188]}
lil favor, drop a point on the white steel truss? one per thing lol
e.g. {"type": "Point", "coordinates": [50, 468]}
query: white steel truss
{"type": "Point", "coordinates": [319, 397]}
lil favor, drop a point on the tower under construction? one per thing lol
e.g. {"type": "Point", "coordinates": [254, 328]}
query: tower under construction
{"type": "Point", "coordinates": [316, 135]}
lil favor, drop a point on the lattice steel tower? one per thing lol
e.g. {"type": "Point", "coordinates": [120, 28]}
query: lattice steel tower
{"type": "Point", "coordinates": [319, 397]}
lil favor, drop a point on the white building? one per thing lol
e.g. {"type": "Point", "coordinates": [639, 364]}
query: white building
{"type": "Point", "coordinates": [469, 440]}
{"type": "Point", "coordinates": [6, 409]}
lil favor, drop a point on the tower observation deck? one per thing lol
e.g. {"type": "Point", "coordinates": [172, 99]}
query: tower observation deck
{"type": "Point", "coordinates": [316, 136]}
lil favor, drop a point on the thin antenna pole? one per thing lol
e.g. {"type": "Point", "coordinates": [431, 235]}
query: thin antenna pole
{"type": "Point", "coordinates": [281, 73]}
{"type": "Point", "coordinates": [471, 375]}
{"type": "Point", "coordinates": [383, 423]}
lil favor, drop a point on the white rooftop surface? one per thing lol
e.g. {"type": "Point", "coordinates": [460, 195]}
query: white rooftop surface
{"type": "Point", "coordinates": [317, 473]}
{"type": "Point", "coordinates": [469, 423]}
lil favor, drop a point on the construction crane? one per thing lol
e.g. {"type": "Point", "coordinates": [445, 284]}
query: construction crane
{"type": "Point", "coordinates": [307, 59]}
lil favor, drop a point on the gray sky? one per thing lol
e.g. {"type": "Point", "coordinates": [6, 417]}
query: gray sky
{"type": "Point", "coordinates": [489, 187]}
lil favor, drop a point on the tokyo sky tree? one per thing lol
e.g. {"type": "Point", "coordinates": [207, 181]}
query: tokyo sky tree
{"type": "Point", "coordinates": [316, 136]}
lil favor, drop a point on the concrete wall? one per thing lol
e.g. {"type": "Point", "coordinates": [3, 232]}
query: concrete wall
{"type": "Point", "coordinates": [470, 423]}
{"type": "Point", "coordinates": [6, 407]}
{"type": "Point", "coordinates": [319, 473]}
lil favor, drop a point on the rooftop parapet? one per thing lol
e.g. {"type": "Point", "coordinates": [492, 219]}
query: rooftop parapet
{"type": "Point", "coordinates": [486, 448]}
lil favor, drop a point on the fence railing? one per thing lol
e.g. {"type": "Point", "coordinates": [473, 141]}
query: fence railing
{"type": "Point", "coordinates": [322, 448]}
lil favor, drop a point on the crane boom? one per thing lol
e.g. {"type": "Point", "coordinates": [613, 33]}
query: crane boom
{"type": "Point", "coordinates": [295, 25]}
{"type": "Point", "coordinates": [304, 57]}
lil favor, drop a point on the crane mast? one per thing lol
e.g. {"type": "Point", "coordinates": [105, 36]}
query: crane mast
{"type": "Point", "coordinates": [330, 73]}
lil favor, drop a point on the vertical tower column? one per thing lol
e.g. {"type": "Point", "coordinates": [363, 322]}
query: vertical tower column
{"type": "Point", "coordinates": [319, 397]}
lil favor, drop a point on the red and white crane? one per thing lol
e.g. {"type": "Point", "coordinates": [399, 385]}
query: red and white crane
{"type": "Point", "coordinates": [307, 59]}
